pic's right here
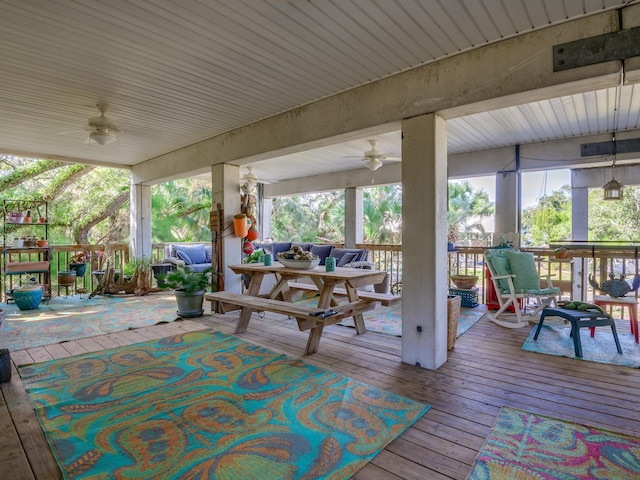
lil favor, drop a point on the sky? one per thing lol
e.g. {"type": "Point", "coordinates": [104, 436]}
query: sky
{"type": "Point", "coordinates": [534, 185]}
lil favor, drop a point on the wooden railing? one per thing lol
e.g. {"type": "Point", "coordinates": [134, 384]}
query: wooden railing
{"type": "Point", "coordinates": [60, 257]}
{"type": "Point", "coordinates": [570, 274]}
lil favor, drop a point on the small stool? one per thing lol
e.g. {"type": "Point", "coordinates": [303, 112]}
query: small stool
{"type": "Point", "coordinates": [629, 302]}
{"type": "Point", "coordinates": [580, 320]}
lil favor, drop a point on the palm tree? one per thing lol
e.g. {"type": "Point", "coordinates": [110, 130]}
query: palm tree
{"type": "Point", "coordinates": [467, 208]}
{"type": "Point", "coordinates": [383, 215]}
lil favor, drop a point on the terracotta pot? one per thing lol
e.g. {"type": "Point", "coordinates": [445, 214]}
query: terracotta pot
{"type": "Point", "coordinates": [42, 243]}
{"type": "Point", "coordinates": [240, 225]}
{"type": "Point", "coordinates": [67, 277]}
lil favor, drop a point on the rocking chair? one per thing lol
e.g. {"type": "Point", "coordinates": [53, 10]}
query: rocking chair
{"type": "Point", "coordinates": [516, 279]}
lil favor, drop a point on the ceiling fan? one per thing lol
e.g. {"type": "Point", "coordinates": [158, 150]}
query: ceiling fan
{"type": "Point", "coordinates": [373, 159]}
{"type": "Point", "coordinates": [249, 180]}
{"type": "Point", "coordinates": [102, 129]}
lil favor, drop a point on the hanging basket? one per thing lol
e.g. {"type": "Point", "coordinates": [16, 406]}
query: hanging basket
{"type": "Point", "coordinates": [240, 225]}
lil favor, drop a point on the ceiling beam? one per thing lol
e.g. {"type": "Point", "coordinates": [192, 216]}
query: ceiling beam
{"type": "Point", "coordinates": [551, 155]}
{"type": "Point", "coordinates": [63, 158]}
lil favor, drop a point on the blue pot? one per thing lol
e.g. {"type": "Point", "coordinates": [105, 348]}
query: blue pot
{"type": "Point", "coordinates": [28, 298]}
{"type": "Point", "coordinates": [79, 268]}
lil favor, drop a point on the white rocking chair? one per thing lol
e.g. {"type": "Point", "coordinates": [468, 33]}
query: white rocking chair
{"type": "Point", "coordinates": [515, 277]}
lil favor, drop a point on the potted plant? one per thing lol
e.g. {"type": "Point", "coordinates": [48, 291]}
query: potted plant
{"type": "Point", "coordinates": [189, 288]}
{"type": "Point", "coordinates": [254, 257]}
{"type": "Point", "coordinates": [78, 263]}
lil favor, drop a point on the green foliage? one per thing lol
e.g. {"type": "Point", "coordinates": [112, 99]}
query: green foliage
{"type": "Point", "coordinates": [132, 265]}
{"type": "Point", "coordinates": [614, 220]}
{"type": "Point", "coordinates": [467, 208]}
{"type": "Point", "coordinates": [320, 217]}
{"type": "Point", "coordinates": [188, 281]}
{"type": "Point", "coordinates": [89, 204]}
{"type": "Point", "coordinates": [382, 208]}
{"type": "Point", "coordinates": [181, 211]}
{"type": "Point", "coordinates": [549, 220]}
{"type": "Point", "coordinates": [309, 218]}
{"type": "Point", "coordinates": [255, 257]}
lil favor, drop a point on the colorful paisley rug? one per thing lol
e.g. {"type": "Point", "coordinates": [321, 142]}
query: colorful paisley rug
{"type": "Point", "coordinates": [523, 445]}
{"type": "Point", "coordinates": [388, 320]}
{"type": "Point", "coordinates": [600, 348]}
{"type": "Point", "coordinates": [70, 318]}
{"type": "Point", "coordinates": [209, 405]}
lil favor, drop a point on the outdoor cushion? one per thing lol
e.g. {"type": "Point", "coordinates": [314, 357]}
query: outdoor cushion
{"type": "Point", "coordinates": [207, 252]}
{"type": "Point", "coordinates": [278, 247]}
{"type": "Point", "coordinates": [347, 257]}
{"type": "Point", "coordinates": [523, 266]}
{"type": "Point", "coordinates": [500, 265]}
{"type": "Point", "coordinates": [322, 251]}
{"type": "Point", "coordinates": [195, 253]}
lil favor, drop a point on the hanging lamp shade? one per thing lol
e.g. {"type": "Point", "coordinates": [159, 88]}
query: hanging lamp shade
{"type": "Point", "coordinates": [613, 190]}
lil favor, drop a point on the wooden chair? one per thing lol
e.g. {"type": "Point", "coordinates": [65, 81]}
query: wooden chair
{"type": "Point", "coordinates": [516, 280]}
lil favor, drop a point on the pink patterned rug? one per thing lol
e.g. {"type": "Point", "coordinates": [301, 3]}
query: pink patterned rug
{"type": "Point", "coordinates": [523, 445]}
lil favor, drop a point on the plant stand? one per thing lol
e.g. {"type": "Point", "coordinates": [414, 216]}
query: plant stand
{"type": "Point", "coordinates": [161, 270]}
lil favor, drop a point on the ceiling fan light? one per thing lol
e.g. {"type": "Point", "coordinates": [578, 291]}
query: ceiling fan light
{"type": "Point", "coordinates": [613, 190]}
{"type": "Point", "coordinates": [373, 164]}
{"type": "Point", "coordinates": [102, 138]}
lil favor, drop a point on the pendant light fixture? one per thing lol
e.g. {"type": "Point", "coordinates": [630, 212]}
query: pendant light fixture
{"type": "Point", "coordinates": [613, 189]}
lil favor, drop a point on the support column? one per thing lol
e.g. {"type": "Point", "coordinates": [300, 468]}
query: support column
{"type": "Point", "coordinates": [353, 217]}
{"type": "Point", "coordinates": [424, 241]}
{"type": "Point", "coordinates": [265, 220]}
{"type": "Point", "coordinates": [140, 221]}
{"type": "Point", "coordinates": [579, 208]}
{"type": "Point", "coordinates": [225, 190]}
{"type": "Point", "coordinates": [507, 202]}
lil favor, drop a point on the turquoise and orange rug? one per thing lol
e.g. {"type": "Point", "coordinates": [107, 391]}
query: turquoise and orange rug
{"type": "Point", "coordinates": [524, 445]}
{"type": "Point", "coordinates": [600, 348]}
{"type": "Point", "coordinates": [71, 318]}
{"type": "Point", "coordinates": [388, 320]}
{"type": "Point", "coordinates": [208, 405]}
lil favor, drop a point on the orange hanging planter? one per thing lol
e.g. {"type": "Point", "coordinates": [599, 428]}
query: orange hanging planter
{"type": "Point", "coordinates": [253, 233]}
{"type": "Point", "coordinates": [240, 226]}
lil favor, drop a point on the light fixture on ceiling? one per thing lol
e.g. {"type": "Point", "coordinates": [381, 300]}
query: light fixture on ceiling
{"type": "Point", "coordinates": [102, 138]}
{"type": "Point", "coordinates": [373, 163]}
{"type": "Point", "coordinates": [613, 189]}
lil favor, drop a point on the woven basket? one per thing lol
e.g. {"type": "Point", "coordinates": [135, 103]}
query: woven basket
{"type": "Point", "coordinates": [453, 315]}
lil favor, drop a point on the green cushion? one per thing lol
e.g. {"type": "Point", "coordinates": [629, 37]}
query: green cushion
{"type": "Point", "coordinates": [499, 264]}
{"type": "Point", "coordinates": [523, 266]}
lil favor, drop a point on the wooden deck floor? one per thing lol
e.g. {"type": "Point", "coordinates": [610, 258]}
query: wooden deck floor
{"type": "Point", "coordinates": [485, 371]}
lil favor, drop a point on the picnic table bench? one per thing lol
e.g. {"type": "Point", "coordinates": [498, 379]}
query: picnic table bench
{"type": "Point", "coordinates": [385, 299]}
{"type": "Point", "coordinates": [314, 319]}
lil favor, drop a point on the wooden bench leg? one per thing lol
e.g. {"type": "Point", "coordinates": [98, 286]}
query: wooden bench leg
{"type": "Point", "coordinates": [314, 339]}
{"type": "Point", "coordinates": [243, 321]}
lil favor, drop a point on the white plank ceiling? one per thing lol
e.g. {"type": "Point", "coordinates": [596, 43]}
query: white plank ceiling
{"type": "Point", "coordinates": [174, 73]}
